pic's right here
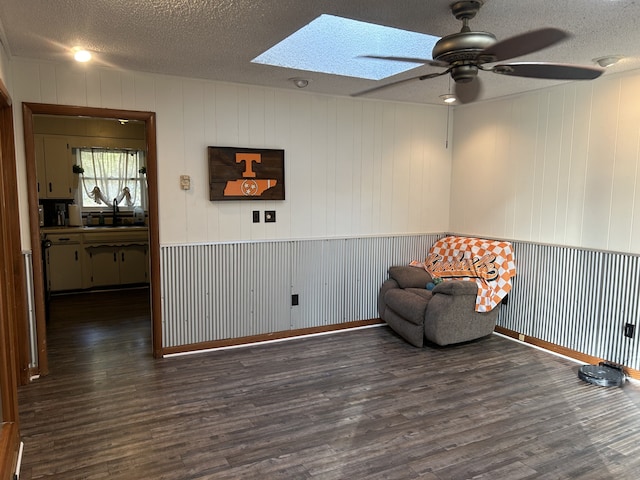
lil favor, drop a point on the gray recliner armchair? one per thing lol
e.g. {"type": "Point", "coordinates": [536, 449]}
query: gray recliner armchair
{"type": "Point", "coordinates": [444, 315]}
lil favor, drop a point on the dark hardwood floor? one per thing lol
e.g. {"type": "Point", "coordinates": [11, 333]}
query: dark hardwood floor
{"type": "Point", "coordinates": [352, 405]}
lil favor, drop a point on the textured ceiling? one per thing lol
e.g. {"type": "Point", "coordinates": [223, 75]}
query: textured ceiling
{"type": "Point", "coordinates": [216, 39]}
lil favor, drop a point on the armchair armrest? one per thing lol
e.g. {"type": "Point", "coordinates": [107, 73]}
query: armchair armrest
{"type": "Point", "coordinates": [456, 287]}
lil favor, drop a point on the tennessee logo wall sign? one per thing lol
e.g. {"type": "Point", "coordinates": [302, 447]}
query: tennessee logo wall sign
{"type": "Point", "coordinates": [246, 174]}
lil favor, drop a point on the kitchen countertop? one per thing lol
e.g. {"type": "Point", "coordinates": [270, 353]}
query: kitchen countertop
{"type": "Point", "coordinates": [96, 228]}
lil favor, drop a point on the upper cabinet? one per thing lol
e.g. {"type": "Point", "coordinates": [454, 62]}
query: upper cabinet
{"type": "Point", "coordinates": [54, 165]}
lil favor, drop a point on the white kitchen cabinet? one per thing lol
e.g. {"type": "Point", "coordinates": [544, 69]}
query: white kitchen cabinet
{"type": "Point", "coordinates": [117, 256]}
{"type": "Point", "coordinates": [54, 167]}
{"type": "Point", "coordinates": [64, 262]}
{"type": "Point", "coordinates": [104, 266]}
{"type": "Point", "coordinates": [133, 264]}
{"type": "Point", "coordinates": [86, 258]}
{"type": "Point", "coordinates": [118, 265]}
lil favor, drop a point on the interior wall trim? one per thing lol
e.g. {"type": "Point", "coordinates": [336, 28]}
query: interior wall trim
{"type": "Point", "coordinates": [244, 341]}
{"type": "Point", "coordinates": [560, 350]}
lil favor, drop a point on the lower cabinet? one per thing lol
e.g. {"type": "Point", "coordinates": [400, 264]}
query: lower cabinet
{"type": "Point", "coordinates": [134, 264]}
{"type": "Point", "coordinates": [64, 267]}
{"type": "Point", "coordinates": [78, 260]}
{"type": "Point", "coordinates": [118, 265]}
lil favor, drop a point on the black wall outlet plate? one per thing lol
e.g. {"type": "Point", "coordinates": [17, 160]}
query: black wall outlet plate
{"type": "Point", "coordinates": [269, 216]}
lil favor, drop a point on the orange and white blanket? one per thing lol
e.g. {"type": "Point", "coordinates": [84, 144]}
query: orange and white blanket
{"type": "Point", "coordinates": [489, 263]}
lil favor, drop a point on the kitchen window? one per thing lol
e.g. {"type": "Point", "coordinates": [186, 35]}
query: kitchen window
{"type": "Point", "coordinates": [111, 174]}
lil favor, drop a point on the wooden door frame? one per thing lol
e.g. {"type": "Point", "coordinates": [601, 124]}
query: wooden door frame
{"type": "Point", "coordinates": [13, 300]}
{"type": "Point", "coordinates": [149, 119]}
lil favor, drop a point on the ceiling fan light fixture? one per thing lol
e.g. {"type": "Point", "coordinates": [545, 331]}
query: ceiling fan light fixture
{"type": "Point", "coordinates": [607, 60]}
{"type": "Point", "coordinates": [448, 98]}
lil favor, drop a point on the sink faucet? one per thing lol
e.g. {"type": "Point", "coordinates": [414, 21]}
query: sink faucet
{"type": "Point", "coordinates": [115, 212]}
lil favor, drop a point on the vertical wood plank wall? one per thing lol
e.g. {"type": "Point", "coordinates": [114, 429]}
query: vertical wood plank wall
{"type": "Point", "coordinates": [557, 166]}
{"type": "Point", "coordinates": [353, 167]}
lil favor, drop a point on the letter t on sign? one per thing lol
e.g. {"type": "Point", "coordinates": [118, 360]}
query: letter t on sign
{"type": "Point", "coordinates": [248, 158]}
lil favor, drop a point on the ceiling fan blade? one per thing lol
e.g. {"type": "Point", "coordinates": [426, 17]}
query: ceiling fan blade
{"type": "Point", "coordinates": [469, 91]}
{"type": "Point", "coordinates": [399, 82]}
{"type": "Point", "coordinates": [522, 44]}
{"type": "Point", "coordinates": [425, 61]}
{"type": "Point", "coordinates": [551, 71]}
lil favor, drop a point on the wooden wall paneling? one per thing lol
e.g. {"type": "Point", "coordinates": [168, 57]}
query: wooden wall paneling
{"type": "Point", "coordinates": [145, 92]}
{"type": "Point", "coordinates": [242, 96]}
{"type": "Point", "coordinates": [376, 161]}
{"type": "Point", "coordinates": [128, 91]}
{"type": "Point", "coordinates": [245, 115]}
{"type": "Point", "coordinates": [521, 153]}
{"type": "Point", "coordinates": [195, 162]}
{"type": "Point", "coordinates": [625, 170]}
{"type": "Point", "coordinates": [386, 163]}
{"type": "Point", "coordinates": [171, 151]}
{"type": "Point", "coordinates": [573, 146]}
{"type": "Point", "coordinates": [400, 163]}
{"type": "Point", "coordinates": [334, 194]}
{"type": "Point", "coordinates": [578, 153]}
{"type": "Point", "coordinates": [47, 90]}
{"type": "Point", "coordinates": [110, 89]}
{"type": "Point", "coordinates": [284, 136]}
{"type": "Point", "coordinates": [551, 201]}
{"type": "Point", "coordinates": [299, 173]}
{"type": "Point", "coordinates": [419, 162]}
{"type": "Point", "coordinates": [565, 99]}
{"type": "Point", "coordinates": [600, 164]}
{"type": "Point", "coordinates": [359, 167]}
{"type": "Point", "coordinates": [94, 87]}
{"type": "Point", "coordinates": [367, 166]}
{"type": "Point", "coordinates": [71, 84]}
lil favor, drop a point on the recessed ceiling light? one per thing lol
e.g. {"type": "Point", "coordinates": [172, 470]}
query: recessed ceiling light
{"type": "Point", "coordinates": [448, 98]}
{"type": "Point", "coordinates": [299, 82]}
{"type": "Point", "coordinates": [81, 55]}
{"type": "Point", "coordinates": [607, 60]}
{"type": "Point", "coordinates": [336, 45]}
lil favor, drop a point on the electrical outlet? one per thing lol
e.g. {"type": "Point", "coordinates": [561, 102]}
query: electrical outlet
{"type": "Point", "coordinates": [256, 216]}
{"type": "Point", "coordinates": [629, 330]}
{"type": "Point", "coordinates": [269, 216]}
{"type": "Point", "coordinates": [294, 300]}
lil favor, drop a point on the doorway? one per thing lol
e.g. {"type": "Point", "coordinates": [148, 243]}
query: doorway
{"type": "Point", "coordinates": [148, 118]}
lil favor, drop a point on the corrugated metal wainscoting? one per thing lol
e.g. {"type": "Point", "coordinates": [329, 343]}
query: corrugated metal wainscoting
{"type": "Point", "coordinates": [230, 290]}
{"type": "Point", "coordinates": [576, 298]}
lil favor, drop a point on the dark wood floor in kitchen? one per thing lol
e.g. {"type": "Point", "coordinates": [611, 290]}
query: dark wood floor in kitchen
{"type": "Point", "coordinates": [353, 405]}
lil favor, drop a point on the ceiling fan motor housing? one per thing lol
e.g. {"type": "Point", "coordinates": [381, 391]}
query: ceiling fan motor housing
{"type": "Point", "coordinates": [461, 51]}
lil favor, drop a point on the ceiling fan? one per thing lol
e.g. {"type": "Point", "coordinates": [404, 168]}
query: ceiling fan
{"type": "Point", "coordinates": [465, 53]}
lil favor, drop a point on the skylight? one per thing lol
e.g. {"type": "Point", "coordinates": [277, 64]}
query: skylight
{"type": "Point", "coordinates": [334, 45]}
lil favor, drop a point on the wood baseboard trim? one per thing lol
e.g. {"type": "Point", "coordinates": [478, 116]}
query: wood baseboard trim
{"type": "Point", "coordinates": [235, 342]}
{"type": "Point", "coordinates": [9, 448]}
{"type": "Point", "coordinates": [567, 352]}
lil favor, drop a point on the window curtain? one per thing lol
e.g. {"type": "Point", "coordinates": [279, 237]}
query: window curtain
{"type": "Point", "coordinates": [112, 175]}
